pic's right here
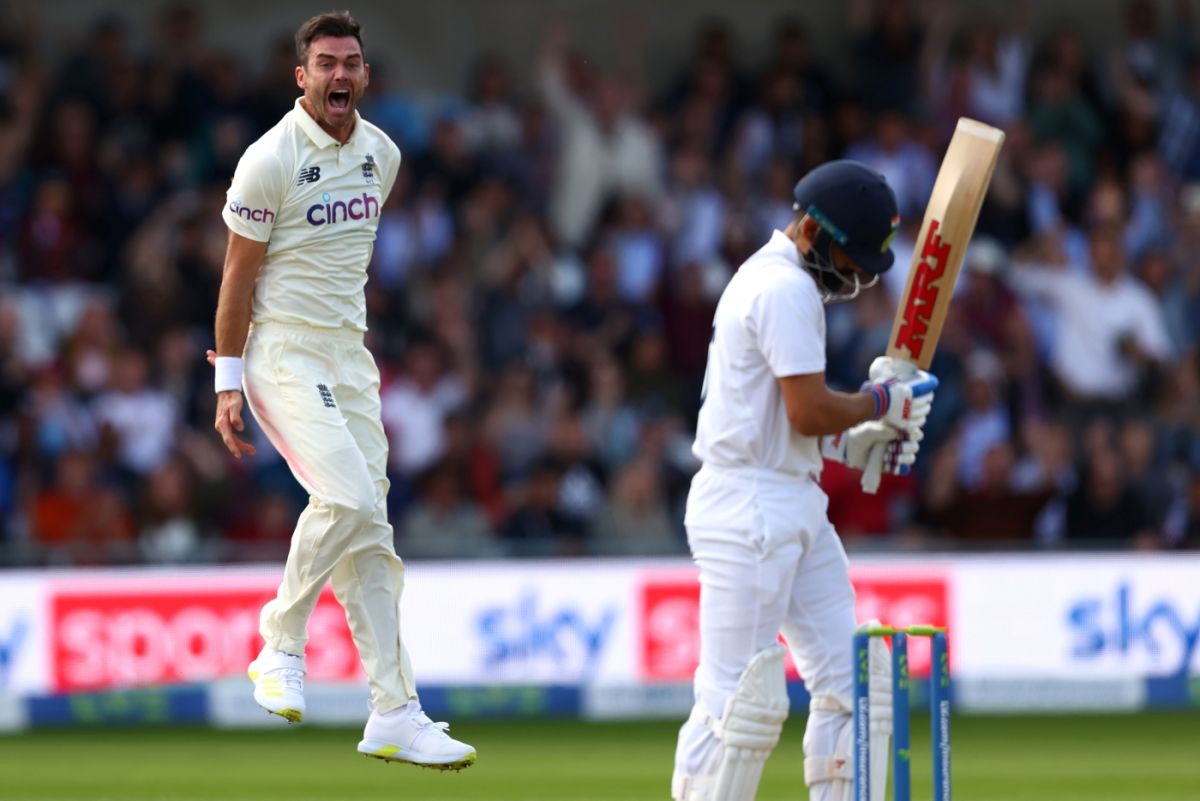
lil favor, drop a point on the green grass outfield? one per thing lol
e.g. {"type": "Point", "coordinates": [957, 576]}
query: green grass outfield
{"type": "Point", "coordinates": [1155, 757]}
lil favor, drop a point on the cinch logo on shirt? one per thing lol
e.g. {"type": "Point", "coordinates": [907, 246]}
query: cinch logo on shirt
{"type": "Point", "coordinates": [335, 211]}
{"type": "Point", "coordinates": [256, 215]}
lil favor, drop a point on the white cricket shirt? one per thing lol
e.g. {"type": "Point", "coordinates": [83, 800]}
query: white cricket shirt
{"type": "Point", "coordinates": [769, 323]}
{"type": "Point", "coordinates": [316, 202]}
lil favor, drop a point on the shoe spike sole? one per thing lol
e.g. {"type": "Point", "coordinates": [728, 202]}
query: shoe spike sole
{"type": "Point", "coordinates": [290, 715]}
{"type": "Point", "coordinates": [457, 767]}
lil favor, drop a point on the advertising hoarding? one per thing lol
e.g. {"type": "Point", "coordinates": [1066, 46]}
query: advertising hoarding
{"type": "Point", "coordinates": [621, 623]}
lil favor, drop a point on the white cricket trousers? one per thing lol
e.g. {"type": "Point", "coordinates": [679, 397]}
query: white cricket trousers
{"type": "Point", "coordinates": [770, 562]}
{"type": "Point", "coordinates": [315, 392]}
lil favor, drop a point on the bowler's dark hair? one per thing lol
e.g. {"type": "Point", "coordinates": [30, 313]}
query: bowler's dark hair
{"type": "Point", "coordinates": [331, 23]}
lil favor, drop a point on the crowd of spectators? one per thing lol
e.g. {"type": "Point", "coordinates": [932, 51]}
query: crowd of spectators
{"type": "Point", "coordinates": [546, 270]}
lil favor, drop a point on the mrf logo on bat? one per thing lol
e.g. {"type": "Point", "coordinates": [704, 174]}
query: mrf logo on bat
{"type": "Point", "coordinates": [926, 284]}
{"type": "Point", "coordinates": [950, 217]}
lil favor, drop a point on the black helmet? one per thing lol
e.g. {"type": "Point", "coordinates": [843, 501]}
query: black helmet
{"type": "Point", "coordinates": [855, 208]}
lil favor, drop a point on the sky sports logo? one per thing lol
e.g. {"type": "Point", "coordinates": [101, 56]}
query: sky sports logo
{"type": "Point", "coordinates": [331, 212]}
{"type": "Point", "coordinates": [1137, 628]}
{"type": "Point", "coordinates": [254, 215]}
{"type": "Point", "coordinates": [531, 635]}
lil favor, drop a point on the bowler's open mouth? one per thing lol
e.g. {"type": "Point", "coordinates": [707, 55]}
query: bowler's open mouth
{"type": "Point", "coordinates": [339, 99]}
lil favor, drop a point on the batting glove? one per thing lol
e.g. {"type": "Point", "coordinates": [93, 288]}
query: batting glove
{"type": "Point", "coordinates": [853, 447]}
{"type": "Point", "coordinates": [885, 367]}
{"type": "Point", "coordinates": [903, 393]}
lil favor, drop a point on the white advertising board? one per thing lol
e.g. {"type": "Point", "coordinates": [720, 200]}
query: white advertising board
{"type": "Point", "coordinates": [1077, 618]}
{"type": "Point", "coordinates": [553, 622]}
{"type": "Point", "coordinates": [600, 622]}
{"type": "Point", "coordinates": [24, 652]}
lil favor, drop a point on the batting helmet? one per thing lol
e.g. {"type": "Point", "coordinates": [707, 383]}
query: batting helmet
{"type": "Point", "coordinates": [855, 208]}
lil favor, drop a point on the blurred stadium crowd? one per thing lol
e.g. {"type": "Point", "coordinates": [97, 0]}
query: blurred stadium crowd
{"type": "Point", "coordinates": [547, 267]}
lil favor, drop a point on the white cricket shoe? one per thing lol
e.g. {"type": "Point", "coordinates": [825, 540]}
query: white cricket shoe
{"type": "Point", "coordinates": [408, 735]}
{"type": "Point", "coordinates": [279, 683]}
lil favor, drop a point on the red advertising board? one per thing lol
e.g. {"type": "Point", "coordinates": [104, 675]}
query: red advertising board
{"type": "Point", "coordinates": [670, 636]}
{"type": "Point", "coordinates": [164, 635]}
{"type": "Point", "coordinates": [670, 628]}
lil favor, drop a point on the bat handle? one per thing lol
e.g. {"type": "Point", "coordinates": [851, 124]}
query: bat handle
{"type": "Point", "coordinates": [873, 472]}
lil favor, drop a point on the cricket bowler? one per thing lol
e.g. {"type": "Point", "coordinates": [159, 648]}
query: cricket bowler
{"type": "Point", "coordinates": [302, 213]}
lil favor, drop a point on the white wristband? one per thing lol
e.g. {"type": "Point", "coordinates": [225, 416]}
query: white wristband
{"type": "Point", "coordinates": [228, 373]}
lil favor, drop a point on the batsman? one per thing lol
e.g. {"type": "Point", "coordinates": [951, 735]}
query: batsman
{"type": "Point", "coordinates": [770, 561]}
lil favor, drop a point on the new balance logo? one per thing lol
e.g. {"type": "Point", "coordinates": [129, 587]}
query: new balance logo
{"type": "Point", "coordinates": [309, 175]}
{"type": "Point", "coordinates": [326, 396]}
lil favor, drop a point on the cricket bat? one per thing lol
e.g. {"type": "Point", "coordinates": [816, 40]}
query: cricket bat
{"type": "Point", "coordinates": [946, 231]}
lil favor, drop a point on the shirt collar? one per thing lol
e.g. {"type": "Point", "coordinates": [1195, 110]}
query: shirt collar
{"type": "Point", "coordinates": [321, 139]}
{"type": "Point", "coordinates": [782, 244]}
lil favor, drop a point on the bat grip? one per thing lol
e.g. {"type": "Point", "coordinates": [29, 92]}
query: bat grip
{"type": "Point", "coordinates": [873, 472]}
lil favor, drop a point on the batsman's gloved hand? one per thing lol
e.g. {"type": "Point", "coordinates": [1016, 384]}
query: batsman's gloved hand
{"type": "Point", "coordinates": [852, 447]}
{"type": "Point", "coordinates": [903, 393]}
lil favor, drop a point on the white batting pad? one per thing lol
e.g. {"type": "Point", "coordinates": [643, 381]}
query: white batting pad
{"type": "Point", "coordinates": [830, 776]}
{"type": "Point", "coordinates": [750, 726]}
{"type": "Point", "coordinates": [829, 750]}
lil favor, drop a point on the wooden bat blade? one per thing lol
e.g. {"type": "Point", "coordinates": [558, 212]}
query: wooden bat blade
{"type": "Point", "coordinates": [950, 219]}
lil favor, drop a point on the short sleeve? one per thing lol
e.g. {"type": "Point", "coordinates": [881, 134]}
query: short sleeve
{"type": "Point", "coordinates": [788, 320]}
{"type": "Point", "coordinates": [391, 170]}
{"type": "Point", "coordinates": [255, 197]}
